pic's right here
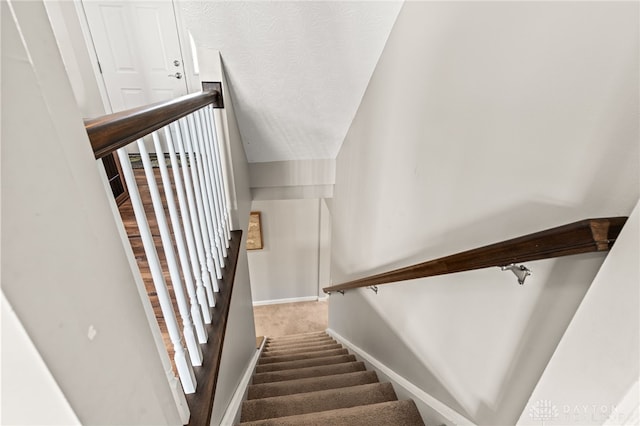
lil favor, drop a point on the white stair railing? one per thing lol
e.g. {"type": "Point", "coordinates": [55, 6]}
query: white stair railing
{"type": "Point", "coordinates": [192, 306]}
{"type": "Point", "coordinates": [196, 212]}
{"type": "Point", "coordinates": [210, 187]}
{"type": "Point", "coordinates": [215, 190]}
{"type": "Point", "coordinates": [188, 216]}
{"type": "Point", "coordinates": [219, 176]}
{"type": "Point", "coordinates": [194, 198]}
{"type": "Point", "coordinates": [185, 372]}
{"type": "Point", "coordinates": [198, 178]}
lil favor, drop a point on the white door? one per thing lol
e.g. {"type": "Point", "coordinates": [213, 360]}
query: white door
{"type": "Point", "coordinates": [138, 49]}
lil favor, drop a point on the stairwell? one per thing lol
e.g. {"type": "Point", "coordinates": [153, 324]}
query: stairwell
{"type": "Point", "coordinates": [310, 379]}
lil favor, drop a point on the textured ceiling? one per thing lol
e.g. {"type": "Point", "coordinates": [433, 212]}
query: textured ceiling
{"type": "Point", "coordinates": [297, 70]}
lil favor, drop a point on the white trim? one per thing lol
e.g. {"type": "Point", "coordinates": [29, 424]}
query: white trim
{"type": "Point", "coordinates": [232, 413]}
{"type": "Point", "coordinates": [93, 53]}
{"type": "Point", "coordinates": [323, 298]}
{"type": "Point", "coordinates": [290, 300]}
{"type": "Point", "coordinates": [431, 409]}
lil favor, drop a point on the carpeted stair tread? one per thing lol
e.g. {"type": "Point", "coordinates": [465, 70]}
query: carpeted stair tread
{"type": "Point", "coordinates": [272, 341]}
{"type": "Point", "coordinates": [396, 413]}
{"type": "Point", "coordinates": [294, 341]}
{"type": "Point", "coordinates": [292, 337]}
{"type": "Point", "coordinates": [311, 380]}
{"type": "Point", "coordinates": [311, 384]}
{"type": "Point", "coordinates": [307, 355]}
{"type": "Point", "coordinates": [313, 402]}
{"type": "Point", "coordinates": [301, 373]}
{"type": "Point", "coordinates": [302, 363]}
{"type": "Point", "coordinates": [285, 346]}
{"type": "Point", "coordinates": [302, 350]}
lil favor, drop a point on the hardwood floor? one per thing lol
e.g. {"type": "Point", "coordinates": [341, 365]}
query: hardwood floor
{"type": "Point", "coordinates": [128, 218]}
{"type": "Point", "coordinates": [201, 402]}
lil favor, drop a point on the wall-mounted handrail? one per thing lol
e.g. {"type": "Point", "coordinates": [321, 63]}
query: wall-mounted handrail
{"type": "Point", "coordinates": [585, 236]}
{"type": "Point", "coordinates": [111, 132]}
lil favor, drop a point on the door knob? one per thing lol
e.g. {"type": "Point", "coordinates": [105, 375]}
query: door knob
{"type": "Point", "coordinates": [177, 75]}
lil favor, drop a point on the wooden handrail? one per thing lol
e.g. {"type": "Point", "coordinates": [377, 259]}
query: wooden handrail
{"type": "Point", "coordinates": [111, 132]}
{"type": "Point", "coordinates": [585, 236]}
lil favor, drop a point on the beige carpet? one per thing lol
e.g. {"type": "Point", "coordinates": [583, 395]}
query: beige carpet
{"type": "Point", "coordinates": [291, 318]}
{"type": "Point", "coordinates": [299, 381]}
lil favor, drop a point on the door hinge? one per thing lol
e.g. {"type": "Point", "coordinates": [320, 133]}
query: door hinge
{"type": "Point", "coordinates": [99, 67]}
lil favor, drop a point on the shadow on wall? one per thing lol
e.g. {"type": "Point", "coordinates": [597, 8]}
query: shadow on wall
{"type": "Point", "coordinates": [414, 367]}
{"type": "Point", "coordinates": [567, 281]}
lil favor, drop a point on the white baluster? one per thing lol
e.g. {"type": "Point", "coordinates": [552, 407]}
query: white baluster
{"type": "Point", "coordinates": [192, 147]}
{"type": "Point", "coordinates": [205, 224]}
{"type": "Point", "coordinates": [215, 181]}
{"type": "Point", "coordinates": [217, 157]}
{"type": "Point", "coordinates": [170, 256]}
{"type": "Point", "coordinates": [195, 212]}
{"type": "Point", "coordinates": [189, 215]}
{"type": "Point", "coordinates": [217, 219]}
{"type": "Point", "coordinates": [216, 249]}
{"type": "Point", "coordinates": [185, 371]}
{"type": "Point", "coordinates": [176, 224]}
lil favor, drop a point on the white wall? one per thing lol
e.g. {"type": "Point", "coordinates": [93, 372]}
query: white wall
{"type": "Point", "coordinates": [78, 56]}
{"type": "Point", "coordinates": [239, 345]}
{"type": "Point", "coordinates": [290, 180]}
{"type": "Point", "coordinates": [65, 270]}
{"type": "Point", "coordinates": [324, 257]}
{"type": "Point", "coordinates": [26, 380]}
{"type": "Point", "coordinates": [597, 361]}
{"type": "Point", "coordinates": [483, 121]}
{"type": "Point", "coordinates": [287, 266]}
{"type": "Point", "coordinates": [292, 173]}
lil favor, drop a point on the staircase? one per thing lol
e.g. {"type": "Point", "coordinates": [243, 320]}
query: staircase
{"type": "Point", "coordinates": [310, 379]}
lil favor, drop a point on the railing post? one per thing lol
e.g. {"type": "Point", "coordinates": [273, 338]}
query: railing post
{"type": "Point", "coordinates": [185, 371]}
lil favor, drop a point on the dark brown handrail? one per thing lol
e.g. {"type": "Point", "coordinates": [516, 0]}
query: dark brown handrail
{"type": "Point", "coordinates": [111, 132]}
{"type": "Point", "coordinates": [585, 236]}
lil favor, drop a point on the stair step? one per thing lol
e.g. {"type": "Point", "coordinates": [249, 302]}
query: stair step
{"type": "Point", "coordinates": [311, 384]}
{"type": "Point", "coordinates": [313, 402]}
{"type": "Point", "coordinates": [302, 363]}
{"type": "Point", "coordinates": [302, 350]}
{"type": "Point", "coordinates": [301, 373]}
{"type": "Point", "coordinates": [307, 355]}
{"type": "Point", "coordinates": [292, 337]}
{"type": "Point", "coordinates": [315, 342]}
{"type": "Point", "coordinates": [396, 413]}
{"type": "Point", "coordinates": [294, 341]}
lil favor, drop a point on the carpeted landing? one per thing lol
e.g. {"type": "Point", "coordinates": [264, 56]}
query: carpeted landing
{"type": "Point", "coordinates": [309, 379]}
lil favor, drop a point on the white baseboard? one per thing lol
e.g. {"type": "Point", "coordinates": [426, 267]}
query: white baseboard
{"type": "Point", "coordinates": [432, 410]}
{"type": "Point", "coordinates": [290, 300]}
{"type": "Point", "coordinates": [232, 413]}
